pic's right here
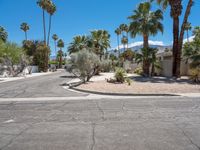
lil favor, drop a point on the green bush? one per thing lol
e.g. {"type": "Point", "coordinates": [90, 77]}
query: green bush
{"type": "Point", "coordinates": [41, 57]}
{"type": "Point", "coordinates": [120, 75]}
{"type": "Point", "coordinates": [138, 71]}
{"type": "Point", "coordinates": [106, 66]}
{"type": "Point", "coordinates": [84, 64]}
{"type": "Point", "coordinates": [195, 75]}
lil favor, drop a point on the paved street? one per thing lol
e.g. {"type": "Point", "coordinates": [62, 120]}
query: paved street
{"type": "Point", "coordinates": [41, 86]}
{"type": "Point", "coordinates": [171, 123]}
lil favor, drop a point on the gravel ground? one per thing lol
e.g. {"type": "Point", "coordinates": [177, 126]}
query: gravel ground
{"type": "Point", "coordinates": [144, 86]}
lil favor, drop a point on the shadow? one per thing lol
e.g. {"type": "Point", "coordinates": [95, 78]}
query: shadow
{"type": "Point", "coordinates": [161, 80]}
{"type": "Point", "coordinates": [69, 76]}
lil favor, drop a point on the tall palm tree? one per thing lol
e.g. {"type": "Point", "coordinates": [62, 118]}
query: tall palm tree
{"type": "Point", "coordinates": [188, 28]}
{"type": "Point", "coordinates": [44, 4]}
{"type": "Point", "coordinates": [118, 33]}
{"type": "Point", "coordinates": [51, 9]}
{"type": "Point", "coordinates": [3, 34]}
{"type": "Point", "coordinates": [61, 45]}
{"type": "Point", "coordinates": [55, 38]}
{"type": "Point", "coordinates": [146, 22]}
{"type": "Point", "coordinates": [124, 41]}
{"type": "Point", "coordinates": [178, 34]}
{"type": "Point", "coordinates": [78, 43]}
{"type": "Point", "coordinates": [125, 29]}
{"type": "Point", "coordinates": [25, 27]}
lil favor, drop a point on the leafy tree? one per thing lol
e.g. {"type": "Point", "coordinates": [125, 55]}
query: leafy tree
{"type": "Point", "coordinates": [25, 27]}
{"type": "Point", "coordinates": [3, 34]}
{"type": "Point", "coordinates": [191, 50]}
{"type": "Point", "coordinates": [176, 8]}
{"type": "Point", "coordinates": [84, 64]}
{"type": "Point", "coordinates": [55, 38]}
{"type": "Point", "coordinates": [41, 56]}
{"type": "Point", "coordinates": [146, 22]}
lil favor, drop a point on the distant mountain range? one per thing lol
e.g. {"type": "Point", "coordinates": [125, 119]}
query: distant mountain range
{"type": "Point", "coordinates": [138, 45]}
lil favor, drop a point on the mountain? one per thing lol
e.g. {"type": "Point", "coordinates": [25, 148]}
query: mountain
{"type": "Point", "coordinates": [136, 46]}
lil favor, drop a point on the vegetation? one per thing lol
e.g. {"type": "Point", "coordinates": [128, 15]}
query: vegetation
{"type": "Point", "coordinates": [120, 75]}
{"type": "Point", "coordinates": [84, 64]}
{"type": "Point", "coordinates": [176, 8]}
{"type": "Point", "coordinates": [98, 41]}
{"type": "Point", "coordinates": [191, 52]}
{"type": "Point", "coordinates": [55, 38]}
{"type": "Point", "coordinates": [10, 55]}
{"type": "Point", "coordinates": [41, 56]}
{"type": "Point", "coordinates": [3, 34]}
{"type": "Point", "coordinates": [25, 27]}
{"type": "Point", "coordinates": [61, 45]}
{"type": "Point", "coordinates": [146, 22]}
{"type": "Point", "coordinates": [128, 55]}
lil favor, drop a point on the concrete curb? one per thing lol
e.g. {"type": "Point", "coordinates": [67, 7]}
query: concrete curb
{"type": "Point", "coordinates": [119, 94]}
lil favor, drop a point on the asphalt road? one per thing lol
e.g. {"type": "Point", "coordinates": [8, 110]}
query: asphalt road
{"type": "Point", "coordinates": [41, 86]}
{"type": "Point", "coordinates": [125, 124]}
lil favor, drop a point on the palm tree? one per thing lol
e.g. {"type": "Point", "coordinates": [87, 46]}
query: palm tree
{"type": "Point", "coordinates": [44, 4]}
{"type": "Point", "coordinates": [61, 45]}
{"type": "Point", "coordinates": [125, 29]}
{"type": "Point", "coordinates": [51, 9]}
{"type": "Point", "coordinates": [178, 35]}
{"type": "Point", "coordinates": [188, 27]}
{"type": "Point", "coordinates": [124, 41]}
{"type": "Point", "coordinates": [55, 38]}
{"type": "Point", "coordinates": [146, 22]}
{"type": "Point", "coordinates": [118, 33]}
{"type": "Point", "coordinates": [25, 27]}
{"type": "Point", "coordinates": [78, 43]}
{"type": "Point", "coordinates": [100, 40]}
{"type": "Point", "coordinates": [3, 34]}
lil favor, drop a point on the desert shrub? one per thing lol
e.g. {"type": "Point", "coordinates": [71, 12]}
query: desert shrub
{"type": "Point", "coordinates": [195, 75]}
{"type": "Point", "coordinates": [129, 81]}
{"type": "Point", "coordinates": [84, 64]}
{"type": "Point", "coordinates": [138, 71]}
{"type": "Point", "coordinates": [120, 75]}
{"type": "Point", "coordinates": [41, 57]}
{"type": "Point", "coordinates": [106, 65]}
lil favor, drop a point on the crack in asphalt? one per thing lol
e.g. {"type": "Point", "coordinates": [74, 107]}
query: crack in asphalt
{"type": "Point", "coordinates": [93, 125]}
{"type": "Point", "coordinates": [11, 141]}
{"type": "Point", "coordinates": [101, 110]}
{"type": "Point", "coordinates": [188, 138]}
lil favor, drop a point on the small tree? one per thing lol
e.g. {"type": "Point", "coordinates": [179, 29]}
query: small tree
{"type": "Point", "coordinates": [60, 44]}
{"type": "Point", "coordinates": [84, 64]}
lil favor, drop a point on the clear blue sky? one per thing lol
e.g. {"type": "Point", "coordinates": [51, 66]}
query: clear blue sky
{"type": "Point", "coordinates": [74, 17]}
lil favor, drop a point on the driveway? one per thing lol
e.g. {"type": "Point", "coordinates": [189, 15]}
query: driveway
{"type": "Point", "coordinates": [41, 86]}
{"type": "Point", "coordinates": [124, 124]}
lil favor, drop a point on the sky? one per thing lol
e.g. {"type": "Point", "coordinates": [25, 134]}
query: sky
{"type": "Point", "coordinates": [79, 17]}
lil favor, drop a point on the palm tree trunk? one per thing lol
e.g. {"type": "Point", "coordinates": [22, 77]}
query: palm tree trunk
{"type": "Point", "coordinates": [127, 39]}
{"type": "Point", "coordinates": [55, 47]}
{"type": "Point", "coordinates": [44, 26]}
{"type": "Point", "coordinates": [26, 35]}
{"type": "Point", "coordinates": [146, 63]}
{"type": "Point", "coordinates": [175, 44]}
{"type": "Point", "coordinates": [49, 32]}
{"type": "Point", "coordinates": [118, 45]}
{"type": "Point", "coordinates": [180, 44]}
{"type": "Point", "coordinates": [187, 36]}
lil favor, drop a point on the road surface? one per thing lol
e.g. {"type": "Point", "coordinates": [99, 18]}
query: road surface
{"type": "Point", "coordinates": [41, 86]}
{"type": "Point", "coordinates": [122, 124]}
